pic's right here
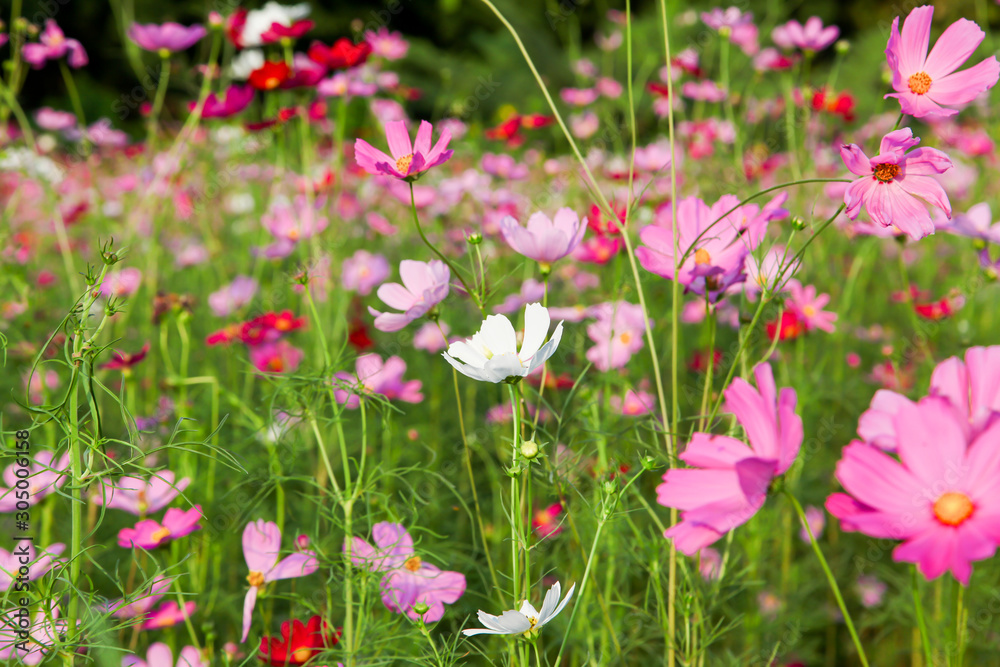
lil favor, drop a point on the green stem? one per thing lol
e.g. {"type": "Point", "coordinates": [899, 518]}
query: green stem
{"type": "Point", "coordinates": [918, 609]}
{"type": "Point", "coordinates": [830, 579]}
{"type": "Point", "coordinates": [161, 94]}
{"type": "Point", "coordinates": [515, 504]}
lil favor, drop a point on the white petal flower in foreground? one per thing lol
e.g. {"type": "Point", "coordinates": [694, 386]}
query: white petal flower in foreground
{"type": "Point", "coordinates": [525, 621]}
{"type": "Point", "coordinates": [492, 354]}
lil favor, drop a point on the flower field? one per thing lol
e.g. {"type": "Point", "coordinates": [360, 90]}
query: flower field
{"type": "Point", "coordinates": [681, 350]}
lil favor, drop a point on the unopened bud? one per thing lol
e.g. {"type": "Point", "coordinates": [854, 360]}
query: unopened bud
{"type": "Point", "coordinates": [529, 449]}
{"type": "Point", "coordinates": [420, 608]}
{"type": "Point", "coordinates": [302, 542]}
{"type": "Point", "coordinates": [842, 46]}
{"type": "Point", "coordinates": [798, 223]}
{"type": "Point", "coordinates": [648, 463]}
{"type": "Point", "coordinates": [474, 238]}
{"type": "Point", "coordinates": [215, 19]}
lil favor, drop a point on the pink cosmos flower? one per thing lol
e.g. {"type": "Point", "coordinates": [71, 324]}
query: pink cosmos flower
{"type": "Point", "coordinates": [546, 521]}
{"type": "Point", "coordinates": [813, 36]}
{"type": "Point", "coordinates": [408, 160]}
{"type": "Point", "coordinates": [408, 579]}
{"type": "Point", "coordinates": [142, 600]}
{"type": "Point", "coordinates": [362, 271]}
{"type": "Point", "coordinates": [45, 632]}
{"type": "Point", "coordinates": [545, 240]}
{"type": "Point", "coordinates": [742, 31]}
{"type": "Point", "coordinates": [939, 497]}
{"type": "Point", "coordinates": [714, 248]}
{"type": "Point", "coordinates": [891, 182]}
{"type": "Point", "coordinates": [771, 59]}
{"type": "Point", "coordinates": [377, 377]}
{"type": "Point", "coordinates": [386, 44]}
{"type": "Point", "coordinates": [276, 357]}
{"type": "Point", "coordinates": [52, 45]}
{"type": "Point", "coordinates": [54, 120]}
{"type": "Point", "coordinates": [24, 554]}
{"type": "Point", "coordinates": [711, 564]}
{"type": "Point", "coordinates": [168, 614]}
{"type": "Point", "coordinates": [598, 249]}
{"type": "Point", "coordinates": [503, 166]}
{"type": "Point", "coordinates": [425, 284]}
{"type": "Point", "coordinates": [808, 307]}
{"type": "Point", "coordinates": [291, 222]}
{"type": "Point", "coordinates": [432, 339]}
{"type": "Point", "coordinates": [927, 84]}
{"type": "Point", "coordinates": [728, 482]}
{"type": "Point", "coordinates": [584, 125]}
{"type": "Point", "coordinates": [232, 297]}
{"type": "Point", "coordinates": [531, 291]}
{"type": "Point", "coordinates": [618, 333]}
{"type": "Point", "coordinates": [149, 534]}
{"type": "Point", "coordinates": [45, 476]}
{"type": "Point", "coordinates": [139, 496]}
{"type": "Point", "coordinates": [121, 283]}
{"type": "Point", "coordinates": [870, 590]}
{"type": "Point", "coordinates": [237, 98]}
{"type": "Point", "coordinates": [261, 545]}
{"type": "Point", "coordinates": [166, 38]}
{"type": "Point", "coordinates": [634, 404]}
{"type": "Point", "coordinates": [579, 97]}
{"type": "Point", "coordinates": [160, 655]}
{"type": "Point", "coordinates": [817, 522]}
{"type": "Point", "coordinates": [976, 223]}
{"type": "Point", "coordinates": [706, 90]}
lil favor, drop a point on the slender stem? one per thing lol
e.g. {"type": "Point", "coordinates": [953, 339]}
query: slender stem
{"type": "Point", "coordinates": [961, 617]}
{"type": "Point", "coordinates": [830, 578]}
{"type": "Point", "coordinates": [515, 505]}
{"type": "Point", "coordinates": [918, 609]}
{"type": "Point", "coordinates": [161, 94]}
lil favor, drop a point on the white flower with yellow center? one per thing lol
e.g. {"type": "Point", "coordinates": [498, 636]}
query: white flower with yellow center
{"type": "Point", "coordinates": [492, 354]}
{"type": "Point", "coordinates": [527, 619]}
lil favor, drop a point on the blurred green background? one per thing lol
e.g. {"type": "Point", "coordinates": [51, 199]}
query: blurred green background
{"type": "Point", "coordinates": [458, 44]}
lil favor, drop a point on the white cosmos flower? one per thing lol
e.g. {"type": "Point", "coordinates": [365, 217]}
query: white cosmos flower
{"type": "Point", "coordinates": [492, 354]}
{"type": "Point", "coordinates": [527, 619]}
{"type": "Point", "coordinates": [259, 20]}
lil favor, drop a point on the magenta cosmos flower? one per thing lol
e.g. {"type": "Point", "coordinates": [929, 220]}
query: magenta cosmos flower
{"type": "Point", "coordinates": [261, 544]}
{"type": "Point", "coordinates": [149, 534]}
{"type": "Point", "coordinates": [926, 84]}
{"type": "Point", "coordinates": [617, 334]}
{"type": "Point", "coordinates": [53, 45]}
{"type": "Point", "coordinates": [165, 38]}
{"type": "Point", "coordinates": [45, 476]}
{"type": "Point", "coordinates": [377, 377]}
{"type": "Point", "coordinates": [236, 99]}
{"type": "Point", "coordinates": [425, 285]}
{"type": "Point", "coordinates": [160, 655]}
{"type": "Point", "coordinates": [408, 160]}
{"type": "Point", "coordinates": [813, 36]}
{"type": "Point", "coordinates": [940, 497]}
{"type": "Point", "coordinates": [45, 633]}
{"type": "Point", "coordinates": [728, 481]}
{"type": "Point", "coordinates": [24, 555]}
{"type": "Point", "coordinates": [362, 271]}
{"type": "Point", "coordinates": [892, 181]}
{"type": "Point", "coordinates": [139, 496]}
{"type": "Point", "coordinates": [808, 305]}
{"type": "Point", "coordinates": [408, 579]}
{"type": "Point", "coordinates": [545, 240]}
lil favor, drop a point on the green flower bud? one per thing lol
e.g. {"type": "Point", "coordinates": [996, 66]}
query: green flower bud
{"type": "Point", "coordinates": [529, 449]}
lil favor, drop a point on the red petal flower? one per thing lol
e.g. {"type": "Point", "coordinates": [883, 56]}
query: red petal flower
{"type": "Point", "coordinates": [298, 643]}
{"type": "Point", "coordinates": [343, 54]}
{"type": "Point", "coordinates": [270, 75]}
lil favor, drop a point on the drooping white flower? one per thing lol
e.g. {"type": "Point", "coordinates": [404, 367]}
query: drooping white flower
{"type": "Point", "coordinates": [527, 619]}
{"type": "Point", "coordinates": [492, 354]}
{"type": "Point", "coordinates": [259, 20]}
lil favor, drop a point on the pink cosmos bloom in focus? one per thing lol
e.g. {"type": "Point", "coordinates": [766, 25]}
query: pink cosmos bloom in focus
{"type": "Point", "coordinates": [139, 496]}
{"type": "Point", "coordinates": [12, 561]}
{"type": "Point", "coordinates": [927, 84]}
{"type": "Point", "coordinates": [891, 182]}
{"type": "Point", "coordinates": [160, 655]}
{"type": "Point", "coordinates": [53, 44]}
{"type": "Point", "coordinates": [939, 497]}
{"type": "Point", "coordinates": [542, 239]}
{"type": "Point", "coordinates": [121, 283]}
{"type": "Point", "coordinates": [149, 534]}
{"type": "Point", "coordinates": [261, 544]}
{"type": "Point", "coordinates": [617, 334]}
{"type": "Point", "coordinates": [45, 476]}
{"type": "Point", "coordinates": [813, 36]}
{"type": "Point", "coordinates": [728, 481]}
{"type": "Point", "coordinates": [362, 271]}
{"type": "Point", "coordinates": [376, 377]}
{"type": "Point", "coordinates": [408, 160]}
{"type": "Point", "coordinates": [425, 284]}
{"type": "Point", "coordinates": [276, 357]}
{"type": "Point", "coordinates": [165, 38]}
{"type": "Point", "coordinates": [408, 579]}
{"type": "Point", "coordinates": [232, 297]}
{"type": "Point", "coordinates": [546, 521]}
{"type": "Point", "coordinates": [808, 307]}
{"type": "Point", "coordinates": [236, 99]}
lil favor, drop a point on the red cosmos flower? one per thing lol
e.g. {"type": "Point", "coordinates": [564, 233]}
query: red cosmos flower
{"type": "Point", "coordinates": [790, 327]}
{"type": "Point", "coordinates": [358, 336]}
{"type": "Point", "coordinates": [509, 130]}
{"type": "Point", "coordinates": [505, 131]}
{"type": "Point", "coordinates": [298, 643]}
{"type": "Point", "coordinates": [234, 27]}
{"type": "Point", "coordinates": [277, 31]}
{"type": "Point", "coordinates": [603, 226]}
{"type": "Point", "coordinates": [270, 75]}
{"type": "Point", "coordinates": [699, 361]}
{"type": "Point", "coordinates": [124, 361]}
{"type": "Point", "coordinates": [940, 309]}
{"type": "Point", "coordinates": [841, 104]}
{"type": "Point", "coordinates": [284, 115]}
{"type": "Point", "coordinates": [266, 328]}
{"type": "Point", "coordinates": [563, 381]}
{"type": "Point", "coordinates": [660, 89]}
{"type": "Point", "coordinates": [342, 55]}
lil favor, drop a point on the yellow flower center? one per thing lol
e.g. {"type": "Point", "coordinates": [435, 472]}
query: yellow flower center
{"type": "Point", "coordinates": [255, 578]}
{"type": "Point", "coordinates": [293, 234]}
{"type": "Point", "coordinates": [625, 338]}
{"type": "Point", "coordinates": [919, 83]}
{"type": "Point", "coordinates": [276, 365]}
{"type": "Point", "coordinates": [301, 655]}
{"type": "Point", "coordinates": [403, 164]}
{"type": "Point", "coordinates": [886, 172]}
{"type": "Point", "coordinates": [413, 564]}
{"type": "Point", "coordinates": [701, 256]}
{"type": "Point", "coordinates": [160, 535]}
{"type": "Point", "coordinates": [271, 83]}
{"type": "Point", "coordinates": [953, 508]}
{"type": "Point", "coordinates": [809, 311]}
